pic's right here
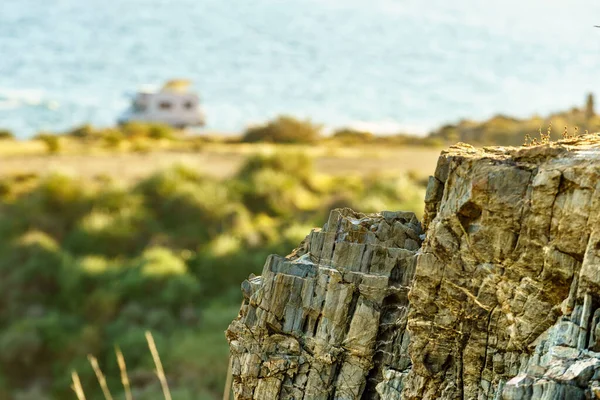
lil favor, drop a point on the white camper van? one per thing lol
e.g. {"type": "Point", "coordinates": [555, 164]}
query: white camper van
{"type": "Point", "coordinates": [174, 104]}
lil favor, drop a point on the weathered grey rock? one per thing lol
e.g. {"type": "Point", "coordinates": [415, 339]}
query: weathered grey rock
{"type": "Point", "coordinates": [328, 321]}
{"type": "Point", "coordinates": [501, 300]}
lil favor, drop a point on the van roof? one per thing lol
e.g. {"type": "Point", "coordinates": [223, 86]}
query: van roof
{"type": "Point", "coordinates": [174, 86]}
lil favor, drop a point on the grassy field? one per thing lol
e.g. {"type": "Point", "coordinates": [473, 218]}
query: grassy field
{"type": "Point", "coordinates": [217, 160]}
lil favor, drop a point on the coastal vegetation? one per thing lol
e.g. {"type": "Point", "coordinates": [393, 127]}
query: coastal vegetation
{"type": "Point", "coordinates": [502, 130]}
{"type": "Point", "coordinates": [283, 129]}
{"type": "Point", "coordinates": [5, 134]}
{"type": "Point", "coordinates": [146, 137]}
{"type": "Point", "coordinates": [90, 264]}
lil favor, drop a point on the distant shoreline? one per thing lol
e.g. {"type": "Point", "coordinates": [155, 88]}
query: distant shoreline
{"type": "Point", "coordinates": [497, 130]}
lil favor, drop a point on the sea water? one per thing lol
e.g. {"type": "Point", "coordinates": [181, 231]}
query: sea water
{"type": "Point", "coordinates": [381, 65]}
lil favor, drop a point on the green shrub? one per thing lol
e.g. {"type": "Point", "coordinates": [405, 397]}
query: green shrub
{"type": "Point", "coordinates": [149, 130]}
{"type": "Point", "coordinates": [134, 279]}
{"type": "Point", "coordinates": [160, 261]}
{"type": "Point", "coordinates": [141, 146]}
{"type": "Point", "coordinates": [189, 207]}
{"type": "Point", "coordinates": [284, 129]}
{"type": "Point", "coordinates": [54, 207]}
{"type": "Point", "coordinates": [21, 346]}
{"type": "Point", "coordinates": [36, 271]}
{"type": "Point", "coordinates": [5, 134]}
{"type": "Point", "coordinates": [161, 131]}
{"type": "Point", "coordinates": [85, 131]}
{"type": "Point", "coordinates": [297, 164]}
{"type": "Point", "coordinates": [110, 234]}
{"type": "Point", "coordinates": [51, 141]}
{"type": "Point", "coordinates": [116, 223]}
{"type": "Point", "coordinates": [135, 129]}
{"type": "Point", "coordinates": [276, 193]}
{"type": "Point", "coordinates": [5, 188]}
{"type": "Point", "coordinates": [352, 136]}
{"type": "Point", "coordinates": [391, 192]}
{"type": "Point", "coordinates": [112, 138]}
{"type": "Point", "coordinates": [277, 184]}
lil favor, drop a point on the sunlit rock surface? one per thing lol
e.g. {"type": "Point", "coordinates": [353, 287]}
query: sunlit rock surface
{"type": "Point", "coordinates": [500, 301]}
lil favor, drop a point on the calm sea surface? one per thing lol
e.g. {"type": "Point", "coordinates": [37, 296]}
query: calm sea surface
{"type": "Point", "coordinates": [380, 64]}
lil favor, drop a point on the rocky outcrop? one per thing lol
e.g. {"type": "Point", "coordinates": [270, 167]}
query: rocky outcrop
{"type": "Point", "coordinates": [503, 294]}
{"type": "Point", "coordinates": [328, 321]}
{"type": "Point", "coordinates": [506, 286]}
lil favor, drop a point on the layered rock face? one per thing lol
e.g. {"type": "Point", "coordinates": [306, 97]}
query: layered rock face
{"type": "Point", "coordinates": [506, 287]}
{"type": "Point", "coordinates": [328, 321]}
{"type": "Point", "coordinates": [503, 294]}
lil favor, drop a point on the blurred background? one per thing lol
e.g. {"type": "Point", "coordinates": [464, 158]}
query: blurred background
{"type": "Point", "coordinates": [153, 153]}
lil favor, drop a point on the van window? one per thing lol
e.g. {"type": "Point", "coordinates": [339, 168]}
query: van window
{"type": "Point", "coordinates": [165, 105]}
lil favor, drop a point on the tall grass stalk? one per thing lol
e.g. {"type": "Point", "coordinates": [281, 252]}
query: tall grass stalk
{"type": "Point", "coordinates": [228, 381]}
{"type": "Point", "coordinates": [159, 369]}
{"type": "Point", "coordinates": [229, 378]}
{"type": "Point", "coordinates": [77, 388]}
{"type": "Point", "coordinates": [101, 379]}
{"type": "Point", "coordinates": [124, 376]}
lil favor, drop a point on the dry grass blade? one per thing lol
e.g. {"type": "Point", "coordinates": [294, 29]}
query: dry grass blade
{"type": "Point", "coordinates": [229, 377]}
{"type": "Point", "coordinates": [101, 379]}
{"type": "Point", "coordinates": [124, 376]}
{"type": "Point", "coordinates": [77, 386]}
{"type": "Point", "coordinates": [228, 381]}
{"type": "Point", "coordinates": [159, 369]}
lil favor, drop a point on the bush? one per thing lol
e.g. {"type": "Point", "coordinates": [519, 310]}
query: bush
{"type": "Point", "coordinates": [147, 130]}
{"type": "Point", "coordinates": [141, 146]}
{"type": "Point", "coordinates": [52, 142]}
{"type": "Point", "coordinates": [284, 130]}
{"type": "Point", "coordinates": [351, 136]}
{"type": "Point", "coordinates": [160, 131]}
{"type": "Point", "coordinates": [298, 164]}
{"type": "Point", "coordinates": [54, 207]}
{"type": "Point", "coordinates": [277, 193]}
{"type": "Point", "coordinates": [190, 207]}
{"type": "Point", "coordinates": [5, 134]}
{"type": "Point", "coordinates": [82, 132]}
{"type": "Point", "coordinates": [112, 138]}
{"type": "Point", "coordinates": [115, 223]}
{"type": "Point", "coordinates": [29, 268]}
{"type": "Point", "coordinates": [277, 184]}
{"type": "Point", "coordinates": [113, 235]}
